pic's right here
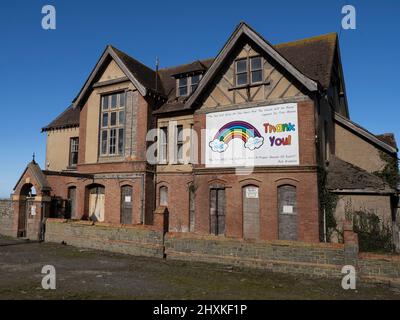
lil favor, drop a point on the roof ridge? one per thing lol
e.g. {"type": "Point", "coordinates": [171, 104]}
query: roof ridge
{"type": "Point", "coordinates": [130, 57]}
{"type": "Point", "coordinates": [308, 39]}
{"type": "Point", "coordinates": [186, 64]}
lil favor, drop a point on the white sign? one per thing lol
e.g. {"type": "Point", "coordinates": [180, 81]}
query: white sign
{"type": "Point", "coordinates": [252, 193]}
{"type": "Point", "coordinates": [288, 209]}
{"type": "Point", "coordinates": [128, 198]}
{"type": "Point", "coordinates": [33, 210]}
{"type": "Point", "coordinates": [261, 136]}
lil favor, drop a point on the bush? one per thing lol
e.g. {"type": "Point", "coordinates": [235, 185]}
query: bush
{"type": "Point", "coordinates": [373, 234]}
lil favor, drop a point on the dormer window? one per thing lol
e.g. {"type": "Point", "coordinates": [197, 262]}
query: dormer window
{"type": "Point", "coordinates": [183, 87]}
{"type": "Point", "coordinates": [249, 71]}
{"type": "Point", "coordinates": [194, 82]}
{"type": "Point", "coordinates": [188, 84]}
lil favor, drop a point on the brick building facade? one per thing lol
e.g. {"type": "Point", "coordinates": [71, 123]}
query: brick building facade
{"type": "Point", "coordinates": [107, 176]}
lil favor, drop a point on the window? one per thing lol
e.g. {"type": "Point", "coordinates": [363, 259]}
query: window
{"type": "Point", "coordinates": [179, 144]}
{"type": "Point", "coordinates": [164, 196]}
{"type": "Point", "coordinates": [73, 156]}
{"type": "Point", "coordinates": [112, 124]}
{"type": "Point", "coordinates": [249, 71]}
{"type": "Point", "coordinates": [187, 85]}
{"type": "Point", "coordinates": [194, 82]}
{"type": "Point", "coordinates": [193, 145]}
{"type": "Point", "coordinates": [183, 87]}
{"type": "Point", "coordinates": [163, 145]}
{"type": "Point", "coordinates": [191, 208]}
{"type": "Point", "coordinates": [256, 69]}
{"type": "Point", "coordinates": [241, 72]}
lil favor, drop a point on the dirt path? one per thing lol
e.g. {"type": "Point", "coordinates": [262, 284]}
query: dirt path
{"type": "Point", "coordinates": [89, 274]}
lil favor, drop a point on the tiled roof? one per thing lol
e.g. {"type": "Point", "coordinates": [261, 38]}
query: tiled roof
{"type": "Point", "coordinates": [313, 57]}
{"type": "Point", "coordinates": [68, 119]}
{"type": "Point", "coordinates": [388, 138]}
{"type": "Point", "coordinates": [345, 176]}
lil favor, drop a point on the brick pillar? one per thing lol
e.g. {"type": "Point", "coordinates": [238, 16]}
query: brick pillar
{"type": "Point", "coordinates": [350, 244]}
{"type": "Point", "coordinates": [161, 219]}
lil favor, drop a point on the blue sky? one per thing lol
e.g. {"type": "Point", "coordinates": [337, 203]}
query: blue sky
{"type": "Point", "coordinates": [42, 71]}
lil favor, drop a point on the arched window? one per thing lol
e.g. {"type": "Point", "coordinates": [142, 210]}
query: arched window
{"type": "Point", "coordinates": [217, 211]}
{"type": "Point", "coordinates": [191, 208]}
{"type": "Point", "coordinates": [163, 196]}
{"type": "Point", "coordinates": [287, 212]}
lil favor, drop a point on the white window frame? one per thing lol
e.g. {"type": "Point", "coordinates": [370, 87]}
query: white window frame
{"type": "Point", "coordinates": [109, 128]}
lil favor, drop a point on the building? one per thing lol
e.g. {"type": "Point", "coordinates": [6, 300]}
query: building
{"type": "Point", "coordinates": [283, 105]}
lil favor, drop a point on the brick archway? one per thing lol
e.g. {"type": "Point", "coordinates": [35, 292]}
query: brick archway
{"type": "Point", "coordinates": [31, 201]}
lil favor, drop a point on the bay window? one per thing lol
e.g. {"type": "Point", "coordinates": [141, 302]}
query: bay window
{"type": "Point", "coordinates": [112, 124]}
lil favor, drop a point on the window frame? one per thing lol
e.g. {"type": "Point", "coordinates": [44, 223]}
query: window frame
{"type": "Point", "coordinates": [115, 149]}
{"type": "Point", "coordinates": [71, 152]}
{"type": "Point", "coordinates": [256, 70]}
{"type": "Point", "coordinates": [249, 71]}
{"type": "Point", "coordinates": [163, 145]}
{"type": "Point", "coordinates": [190, 87]}
{"type": "Point", "coordinates": [179, 144]}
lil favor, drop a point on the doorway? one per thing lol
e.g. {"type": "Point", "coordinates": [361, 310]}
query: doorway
{"type": "Point", "coordinates": [96, 203]}
{"type": "Point", "coordinates": [126, 205]}
{"type": "Point", "coordinates": [251, 213]}
{"type": "Point", "coordinates": [287, 212]}
{"type": "Point", "coordinates": [217, 212]}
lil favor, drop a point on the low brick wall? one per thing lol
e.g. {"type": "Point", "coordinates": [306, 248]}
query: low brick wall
{"type": "Point", "coordinates": [379, 268]}
{"type": "Point", "coordinates": [133, 240]}
{"type": "Point", "coordinates": [7, 217]}
{"type": "Point", "coordinates": [322, 260]}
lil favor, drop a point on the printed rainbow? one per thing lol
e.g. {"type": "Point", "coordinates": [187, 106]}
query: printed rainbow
{"type": "Point", "coordinates": [237, 130]}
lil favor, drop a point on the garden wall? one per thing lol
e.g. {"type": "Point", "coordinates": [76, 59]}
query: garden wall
{"type": "Point", "coordinates": [133, 240]}
{"type": "Point", "coordinates": [7, 218]}
{"type": "Point", "coordinates": [323, 260]}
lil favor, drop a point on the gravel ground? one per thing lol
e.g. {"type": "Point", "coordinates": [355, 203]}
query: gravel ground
{"type": "Point", "coordinates": [90, 274]}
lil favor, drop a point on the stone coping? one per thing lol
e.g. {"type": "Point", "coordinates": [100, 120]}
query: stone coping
{"type": "Point", "coordinates": [283, 243]}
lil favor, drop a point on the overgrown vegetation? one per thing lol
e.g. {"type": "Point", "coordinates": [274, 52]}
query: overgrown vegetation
{"type": "Point", "coordinates": [328, 202]}
{"type": "Point", "coordinates": [390, 172]}
{"type": "Point", "coordinates": [374, 235]}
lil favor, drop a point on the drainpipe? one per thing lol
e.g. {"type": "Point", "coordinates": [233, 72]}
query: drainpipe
{"type": "Point", "coordinates": [143, 194]}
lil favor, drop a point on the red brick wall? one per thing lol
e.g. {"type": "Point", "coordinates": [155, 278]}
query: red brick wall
{"type": "Point", "coordinates": [304, 177]}
{"type": "Point", "coordinates": [60, 185]}
{"type": "Point", "coordinates": [178, 199]}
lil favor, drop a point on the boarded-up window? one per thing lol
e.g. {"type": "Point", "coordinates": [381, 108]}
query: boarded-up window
{"type": "Point", "coordinates": [287, 211]}
{"type": "Point", "coordinates": [164, 196]}
{"type": "Point", "coordinates": [217, 211]}
{"type": "Point", "coordinates": [71, 204]}
{"type": "Point", "coordinates": [251, 212]}
{"type": "Point", "coordinates": [126, 205]}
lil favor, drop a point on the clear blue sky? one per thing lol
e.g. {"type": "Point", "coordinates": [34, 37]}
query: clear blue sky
{"type": "Point", "coordinates": [42, 71]}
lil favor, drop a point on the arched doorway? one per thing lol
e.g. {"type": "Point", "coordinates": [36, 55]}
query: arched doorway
{"type": "Point", "coordinates": [96, 202]}
{"type": "Point", "coordinates": [287, 212]}
{"type": "Point", "coordinates": [126, 204]}
{"type": "Point", "coordinates": [26, 205]}
{"type": "Point", "coordinates": [251, 213]}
